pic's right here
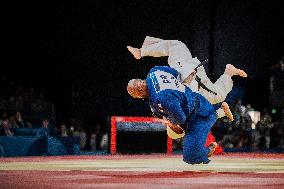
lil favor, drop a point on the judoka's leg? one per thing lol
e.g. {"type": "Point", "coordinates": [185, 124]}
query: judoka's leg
{"type": "Point", "coordinates": [222, 86]}
{"type": "Point", "coordinates": [148, 42]}
{"type": "Point", "coordinates": [156, 47]}
{"type": "Point", "coordinates": [179, 56]}
{"type": "Point", "coordinates": [194, 151]}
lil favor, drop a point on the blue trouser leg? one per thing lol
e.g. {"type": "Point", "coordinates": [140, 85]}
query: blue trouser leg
{"type": "Point", "coordinates": [198, 129]}
{"type": "Point", "coordinates": [205, 108]}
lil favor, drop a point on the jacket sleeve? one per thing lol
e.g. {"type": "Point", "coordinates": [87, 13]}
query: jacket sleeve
{"type": "Point", "coordinates": [171, 107]}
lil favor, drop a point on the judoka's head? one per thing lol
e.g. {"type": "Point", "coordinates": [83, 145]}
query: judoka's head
{"type": "Point", "coordinates": [137, 88]}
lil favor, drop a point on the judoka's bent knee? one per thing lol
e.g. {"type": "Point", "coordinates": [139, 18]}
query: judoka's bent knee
{"type": "Point", "coordinates": [195, 155]}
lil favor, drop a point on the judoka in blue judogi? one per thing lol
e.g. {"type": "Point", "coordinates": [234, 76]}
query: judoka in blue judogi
{"type": "Point", "coordinates": [170, 99]}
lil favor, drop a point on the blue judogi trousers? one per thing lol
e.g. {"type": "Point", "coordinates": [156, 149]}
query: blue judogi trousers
{"type": "Point", "coordinates": [198, 128]}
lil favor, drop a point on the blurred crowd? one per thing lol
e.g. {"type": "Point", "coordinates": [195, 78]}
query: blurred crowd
{"type": "Point", "coordinates": [31, 103]}
{"type": "Point", "coordinates": [248, 132]}
{"type": "Point", "coordinates": [95, 140]}
{"type": "Point", "coordinates": [24, 110]}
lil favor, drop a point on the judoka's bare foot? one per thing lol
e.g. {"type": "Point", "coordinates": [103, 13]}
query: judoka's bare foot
{"type": "Point", "coordinates": [135, 52]}
{"type": "Point", "coordinates": [227, 111]}
{"type": "Point", "coordinates": [232, 70]}
{"type": "Point", "coordinates": [212, 147]}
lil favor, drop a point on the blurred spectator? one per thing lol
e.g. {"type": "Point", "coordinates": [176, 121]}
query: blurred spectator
{"type": "Point", "coordinates": [266, 119]}
{"type": "Point", "coordinates": [3, 117]}
{"type": "Point", "coordinates": [45, 123]}
{"type": "Point", "coordinates": [256, 137]}
{"type": "Point", "coordinates": [20, 122]}
{"type": "Point", "coordinates": [63, 130]}
{"type": "Point", "coordinates": [45, 127]}
{"type": "Point", "coordinates": [238, 106]}
{"type": "Point", "coordinates": [249, 108]}
{"type": "Point", "coordinates": [6, 127]}
{"type": "Point", "coordinates": [77, 131]}
{"type": "Point", "coordinates": [267, 139]}
{"type": "Point", "coordinates": [13, 123]}
{"type": "Point", "coordinates": [99, 139]}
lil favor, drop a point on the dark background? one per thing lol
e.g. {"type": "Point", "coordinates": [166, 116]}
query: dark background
{"type": "Point", "coordinates": [76, 53]}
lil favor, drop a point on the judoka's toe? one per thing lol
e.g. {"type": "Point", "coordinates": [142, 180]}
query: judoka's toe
{"type": "Point", "coordinates": [135, 52]}
{"type": "Point", "coordinates": [242, 73]}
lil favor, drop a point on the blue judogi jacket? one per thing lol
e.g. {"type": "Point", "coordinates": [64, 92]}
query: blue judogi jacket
{"type": "Point", "coordinates": [169, 98]}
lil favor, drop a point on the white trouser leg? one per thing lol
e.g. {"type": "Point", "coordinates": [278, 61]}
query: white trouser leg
{"type": "Point", "coordinates": [179, 56]}
{"type": "Point", "coordinates": [222, 86]}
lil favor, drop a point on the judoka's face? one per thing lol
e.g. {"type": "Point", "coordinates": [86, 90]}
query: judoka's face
{"type": "Point", "coordinates": [137, 88]}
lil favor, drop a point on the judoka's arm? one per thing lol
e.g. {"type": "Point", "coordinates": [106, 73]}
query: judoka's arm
{"type": "Point", "coordinates": [172, 108]}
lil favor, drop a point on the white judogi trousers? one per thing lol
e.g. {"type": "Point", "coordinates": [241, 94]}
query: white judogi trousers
{"type": "Point", "coordinates": [180, 58]}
